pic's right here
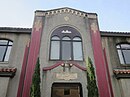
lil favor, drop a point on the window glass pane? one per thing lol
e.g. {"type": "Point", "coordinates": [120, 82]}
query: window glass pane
{"type": "Point", "coordinates": [118, 46]}
{"type": "Point", "coordinates": [55, 38]}
{"type": "Point", "coordinates": [55, 49]}
{"type": "Point", "coordinates": [66, 50]}
{"type": "Point", "coordinates": [66, 38]}
{"type": "Point", "coordinates": [125, 46]}
{"type": "Point", "coordinates": [2, 51]}
{"type": "Point", "coordinates": [10, 43]}
{"type": "Point", "coordinates": [3, 42]}
{"type": "Point", "coordinates": [77, 38]}
{"type": "Point", "coordinates": [7, 53]}
{"type": "Point", "coordinates": [127, 56]}
{"type": "Point", "coordinates": [120, 57]}
{"type": "Point", "coordinates": [77, 51]}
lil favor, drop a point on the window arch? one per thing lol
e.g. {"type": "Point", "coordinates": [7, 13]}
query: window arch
{"type": "Point", "coordinates": [124, 53]}
{"type": "Point", "coordinates": [5, 49]}
{"type": "Point", "coordinates": [66, 44]}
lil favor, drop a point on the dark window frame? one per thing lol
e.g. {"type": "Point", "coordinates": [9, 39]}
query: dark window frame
{"type": "Point", "coordinates": [6, 48]}
{"type": "Point", "coordinates": [122, 53]}
{"type": "Point", "coordinates": [58, 33]}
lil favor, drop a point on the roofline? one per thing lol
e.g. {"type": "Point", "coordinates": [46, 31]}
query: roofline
{"type": "Point", "coordinates": [16, 30]}
{"type": "Point", "coordinates": [65, 8]}
{"type": "Point", "coordinates": [114, 34]}
{"type": "Point", "coordinates": [29, 30]}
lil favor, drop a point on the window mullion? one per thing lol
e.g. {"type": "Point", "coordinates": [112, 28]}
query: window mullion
{"type": "Point", "coordinates": [5, 51]}
{"type": "Point", "coordinates": [61, 49]}
{"type": "Point", "coordinates": [72, 54]}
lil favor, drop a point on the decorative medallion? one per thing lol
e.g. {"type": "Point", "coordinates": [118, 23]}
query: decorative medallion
{"type": "Point", "coordinates": [66, 18]}
{"type": "Point", "coordinates": [94, 27]}
{"type": "Point", "coordinates": [38, 25]}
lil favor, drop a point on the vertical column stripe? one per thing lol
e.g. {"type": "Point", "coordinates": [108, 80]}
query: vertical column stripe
{"type": "Point", "coordinates": [23, 71]}
{"type": "Point", "coordinates": [33, 54]}
{"type": "Point", "coordinates": [99, 60]}
{"type": "Point", "coordinates": [107, 68]}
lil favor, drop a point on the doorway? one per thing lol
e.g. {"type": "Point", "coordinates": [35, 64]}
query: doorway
{"type": "Point", "coordinates": [66, 90]}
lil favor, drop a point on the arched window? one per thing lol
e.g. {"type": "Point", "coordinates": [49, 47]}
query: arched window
{"type": "Point", "coordinates": [66, 44]}
{"type": "Point", "coordinates": [77, 51]}
{"type": "Point", "coordinates": [5, 49]}
{"type": "Point", "coordinates": [55, 47]}
{"type": "Point", "coordinates": [66, 48]}
{"type": "Point", "coordinates": [124, 53]}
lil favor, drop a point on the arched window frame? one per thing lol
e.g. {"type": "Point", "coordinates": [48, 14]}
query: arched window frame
{"type": "Point", "coordinates": [5, 49]}
{"type": "Point", "coordinates": [123, 52]}
{"type": "Point", "coordinates": [72, 35]}
{"type": "Point", "coordinates": [52, 54]}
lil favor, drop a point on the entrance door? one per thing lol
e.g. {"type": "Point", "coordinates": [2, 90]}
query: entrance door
{"type": "Point", "coordinates": [66, 90]}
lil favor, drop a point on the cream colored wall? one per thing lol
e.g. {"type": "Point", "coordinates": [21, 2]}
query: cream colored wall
{"type": "Point", "coordinates": [51, 23]}
{"type": "Point", "coordinates": [3, 86]}
{"type": "Point", "coordinates": [120, 86]}
{"type": "Point", "coordinates": [10, 85]}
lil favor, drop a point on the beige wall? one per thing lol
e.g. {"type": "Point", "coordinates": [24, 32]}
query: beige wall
{"type": "Point", "coordinates": [120, 86]}
{"type": "Point", "coordinates": [4, 81]}
{"type": "Point", "coordinates": [81, 24]}
{"type": "Point", "coordinates": [10, 85]}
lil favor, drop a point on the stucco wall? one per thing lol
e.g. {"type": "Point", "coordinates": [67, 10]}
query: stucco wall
{"type": "Point", "coordinates": [51, 23]}
{"type": "Point", "coordinates": [3, 86]}
{"type": "Point", "coordinates": [15, 60]}
{"type": "Point", "coordinates": [119, 86]}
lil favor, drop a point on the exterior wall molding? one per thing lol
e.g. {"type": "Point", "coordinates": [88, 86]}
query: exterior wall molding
{"type": "Point", "coordinates": [121, 73]}
{"type": "Point", "coordinates": [7, 71]}
{"type": "Point", "coordinates": [38, 13]}
{"type": "Point", "coordinates": [93, 16]}
{"type": "Point", "coordinates": [63, 10]}
{"type": "Point", "coordinates": [62, 64]}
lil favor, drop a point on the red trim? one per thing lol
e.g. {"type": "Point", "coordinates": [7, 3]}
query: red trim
{"type": "Point", "coordinates": [100, 64]}
{"type": "Point", "coordinates": [32, 57]}
{"type": "Point", "coordinates": [60, 63]}
{"type": "Point", "coordinates": [108, 74]}
{"type": "Point", "coordinates": [52, 67]}
{"type": "Point", "coordinates": [23, 70]}
{"type": "Point", "coordinates": [78, 66]}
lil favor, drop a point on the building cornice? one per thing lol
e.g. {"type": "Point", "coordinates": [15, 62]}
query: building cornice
{"type": "Point", "coordinates": [114, 34]}
{"type": "Point", "coordinates": [65, 10]}
{"type": "Point", "coordinates": [15, 30]}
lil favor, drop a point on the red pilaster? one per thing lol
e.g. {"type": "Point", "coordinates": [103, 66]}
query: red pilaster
{"type": "Point", "coordinates": [23, 71]}
{"type": "Point", "coordinates": [108, 74]}
{"type": "Point", "coordinates": [103, 85]}
{"type": "Point", "coordinates": [33, 54]}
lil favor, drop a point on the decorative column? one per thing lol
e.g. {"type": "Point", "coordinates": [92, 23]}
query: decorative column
{"type": "Point", "coordinates": [33, 51]}
{"type": "Point", "coordinates": [101, 73]}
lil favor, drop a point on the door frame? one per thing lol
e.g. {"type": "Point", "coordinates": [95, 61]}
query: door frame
{"type": "Point", "coordinates": [67, 84]}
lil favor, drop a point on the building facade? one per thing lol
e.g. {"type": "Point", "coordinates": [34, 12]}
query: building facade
{"type": "Point", "coordinates": [64, 39]}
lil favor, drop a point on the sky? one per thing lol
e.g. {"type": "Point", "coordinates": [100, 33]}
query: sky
{"type": "Point", "coordinates": [113, 15]}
